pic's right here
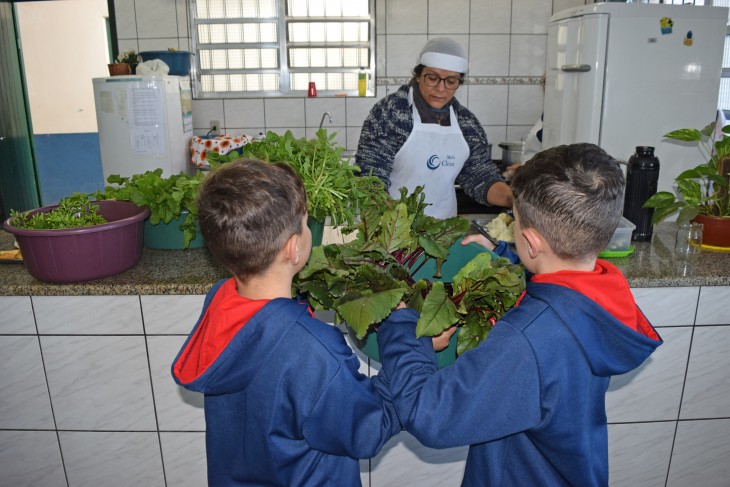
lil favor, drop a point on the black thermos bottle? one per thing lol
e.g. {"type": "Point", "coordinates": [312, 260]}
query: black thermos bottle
{"type": "Point", "coordinates": [642, 177]}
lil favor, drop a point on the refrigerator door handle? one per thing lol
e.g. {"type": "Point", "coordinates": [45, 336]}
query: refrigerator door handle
{"type": "Point", "coordinates": [576, 68]}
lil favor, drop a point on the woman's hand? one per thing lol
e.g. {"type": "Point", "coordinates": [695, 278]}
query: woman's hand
{"type": "Point", "coordinates": [441, 341]}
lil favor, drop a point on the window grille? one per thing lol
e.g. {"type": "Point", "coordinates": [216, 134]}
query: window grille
{"type": "Point", "coordinates": [277, 47]}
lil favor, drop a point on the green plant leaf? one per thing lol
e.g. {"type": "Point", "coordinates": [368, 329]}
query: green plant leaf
{"type": "Point", "coordinates": [689, 135]}
{"type": "Point", "coordinates": [369, 309]}
{"type": "Point", "coordinates": [437, 312]}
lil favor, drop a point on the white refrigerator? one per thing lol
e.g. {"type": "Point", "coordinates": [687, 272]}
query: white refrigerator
{"type": "Point", "coordinates": [621, 75]}
{"type": "Point", "coordinates": [145, 123]}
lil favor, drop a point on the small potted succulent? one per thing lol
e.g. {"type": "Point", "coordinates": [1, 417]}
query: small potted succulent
{"type": "Point", "coordinates": [703, 191]}
{"type": "Point", "coordinates": [126, 63]}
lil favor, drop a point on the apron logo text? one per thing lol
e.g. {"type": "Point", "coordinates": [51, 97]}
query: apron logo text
{"type": "Point", "coordinates": [434, 162]}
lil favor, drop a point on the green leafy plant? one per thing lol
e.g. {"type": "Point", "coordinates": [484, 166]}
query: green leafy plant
{"type": "Point", "coordinates": [166, 198]}
{"type": "Point", "coordinates": [128, 56]}
{"type": "Point", "coordinates": [333, 185]}
{"type": "Point", "coordinates": [363, 280]}
{"type": "Point", "coordinates": [703, 190]}
{"type": "Point", "coordinates": [215, 159]}
{"type": "Point", "coordinates": [74, 211]}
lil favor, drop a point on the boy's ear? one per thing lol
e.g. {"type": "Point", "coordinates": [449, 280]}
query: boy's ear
{"type": "Point", "coordinates": [535, 242]}
{"type": "Point", "coordinates": [292, 249]}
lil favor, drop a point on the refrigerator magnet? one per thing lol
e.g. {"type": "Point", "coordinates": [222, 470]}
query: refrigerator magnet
{"type": "Point", "coordinates": [688, 39]}
{"type": "Point", "coordinates": [666, 25]}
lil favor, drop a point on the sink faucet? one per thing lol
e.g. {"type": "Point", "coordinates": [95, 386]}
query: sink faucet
{"type": "Point", "coordinates": [325, 115]}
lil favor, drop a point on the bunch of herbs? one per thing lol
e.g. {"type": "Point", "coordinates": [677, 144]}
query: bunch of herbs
{"type": "Point", "coordinates": [74, 211]}
{"type": "Point", "coordinates": [365, 279]}
{"type": "Point", "coordinates": [166, 197]}
{"type": "Point", "coordinates": [334, 188]}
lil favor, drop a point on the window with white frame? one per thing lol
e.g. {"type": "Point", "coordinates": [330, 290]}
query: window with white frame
{"type": "Point", "coordinates": [277, 47]}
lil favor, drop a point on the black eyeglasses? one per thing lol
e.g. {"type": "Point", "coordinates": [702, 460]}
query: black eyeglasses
{"type": "Point", "coordinates": [450, 82]}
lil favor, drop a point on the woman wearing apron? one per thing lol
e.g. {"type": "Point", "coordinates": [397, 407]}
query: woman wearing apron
{"type": "Point", "coordinates": [422, 136]}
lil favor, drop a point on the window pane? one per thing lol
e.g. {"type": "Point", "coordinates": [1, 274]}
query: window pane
{"type": "Point", "coordinates": [724, 99]}
{"type": "Point", "coordinates": [329, 32]}
{"type": "Point", "coordinates": [328, 57]}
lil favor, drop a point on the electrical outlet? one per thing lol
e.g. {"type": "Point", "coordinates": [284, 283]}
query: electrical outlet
{"type": "Point", "coordinates": [215, 125]}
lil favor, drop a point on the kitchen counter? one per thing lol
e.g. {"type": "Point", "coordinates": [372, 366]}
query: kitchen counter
{"type": "Point", "coordinates": [193, 271]}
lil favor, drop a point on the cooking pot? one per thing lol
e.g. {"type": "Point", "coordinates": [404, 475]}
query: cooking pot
{"type": "Point", "coordinates": [512, 152]}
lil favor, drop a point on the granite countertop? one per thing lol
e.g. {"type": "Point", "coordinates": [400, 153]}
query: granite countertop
{"type": "Point", "coordinates": [193, 271]}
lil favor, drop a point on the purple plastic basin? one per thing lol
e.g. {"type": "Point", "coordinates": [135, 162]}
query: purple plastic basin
{"type": "Point", "coordinates": [86, 253]}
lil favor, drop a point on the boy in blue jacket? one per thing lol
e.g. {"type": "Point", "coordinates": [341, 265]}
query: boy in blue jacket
{"type": "Point", "coordinates": [530, 399]}
{"type": "Point", "coordinates": [285, 404]}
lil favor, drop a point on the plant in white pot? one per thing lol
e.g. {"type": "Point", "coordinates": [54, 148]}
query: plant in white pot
{"type": "Point", "coordinates": [703, 191]}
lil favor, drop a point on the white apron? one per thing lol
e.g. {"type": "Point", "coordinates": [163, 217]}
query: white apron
{"type": "Point", "coordinates": [431, 157]}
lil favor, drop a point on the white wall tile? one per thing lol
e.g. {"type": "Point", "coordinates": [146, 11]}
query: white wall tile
{"type": "Point", "coordinates": [525, 104]}
{"type": "Point", "coordinates": [495, 135]}
{"type": "Point", "coordinates": [156, 19]}
{"type": "Point", "coordinates": [88, 315]}
{"type": "Point", "coordinates": [353, 137]}
{"type": "Point", "coordinates": [30, 458]}
{"type": "Point", "coordinates": [638, 454]}
{"type": "Point", "coordinates": [402, 54]}
{"type": "Point", "coordinates": [490, 16]}
{"type": "Point", "coordinates": [177, 408]}
{"type": "Point", "coordinates": [125, 17]}
{"type": "Point", "coordinates": [446, 18]}
{"type": "Point", "coordinates": [406, 17]}
{"type": "Point", "coordinates": [206, 110]}
{"type": "Point", "coordinates": [527, 55]}
{"type": "Point", "coordinates": [531, 16]}
{"type": "Point", "coordinates": [112, 458]}
{"type": "Point", "coordinates": [16, 315]}
{"type": "Point", "coordinates": [380, 43]}
{"type": "Point", "coordinates": [316, 108]}
{"type": "Point", "coordinates": [25, 403]}
{"type": "Point", "coordinates": [244, 113]}
{"type": "Point", "coordinates": [284, 113]}
{"type": "Point", "coordinates": [181, 9]}
{"type": "Point", "coordinates": [489, 104]}
{"type": "Point", "coordinates": [489, 55]}
{"type": "Point", "coordinates": [183, 455]}
{"type": "Point", "coordinates": [700, 456]}
{"type": "Point", "coordinates": [713, 306]}
{"type": "Point", "coordinates": [358, 110]}
{"type": "Point", "coordinates": [668, 306]}
{"type": "Point", "coordinates": [406, 463]}
{"type": "Point", "coordinates": [707, 392]}
{"type": "Point", "coordinates": [171, 314]}
{"type": "Point", "coordinates": [99, 382]}
{"type": "Point", "coordinates": [158, 44]}
{"type": "Point", "coordinates": [652, 392]}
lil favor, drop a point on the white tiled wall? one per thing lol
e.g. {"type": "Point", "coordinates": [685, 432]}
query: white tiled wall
{"type": "Point", "coordinates": [505, 40]}
{"type": "Point", "coordinates": [87, 397]}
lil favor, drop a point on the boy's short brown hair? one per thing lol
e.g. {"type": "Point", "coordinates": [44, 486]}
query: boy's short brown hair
{"type": "Point", "coordinates": [247, 210]}
{"type": "Point", "coordinates": [573, 195]}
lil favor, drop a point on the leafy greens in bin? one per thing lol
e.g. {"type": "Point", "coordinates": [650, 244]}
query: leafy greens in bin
{"type": "Point", "coordinates": [365, 279]}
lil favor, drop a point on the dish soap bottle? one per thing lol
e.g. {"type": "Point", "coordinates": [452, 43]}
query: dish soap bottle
{"type": "Point", "coordinates": [642, 177]}
{"type": "Point", "coordinates": [362, 82]}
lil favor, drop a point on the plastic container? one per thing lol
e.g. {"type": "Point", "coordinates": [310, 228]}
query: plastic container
{"type": "Point", "coordinates": [642, 177]}
{"type": "Point", "coordinates": [86, 253]}
{"type": "Point", "coordinates": [168, 236]}
{"type": "Point", "coordinates": [459, 256]}
{"type": "Point", "coordinates": [621, 239]}
{"type": "Point", "coordinates": [362, 82]}
{"type": "Point", "coordinates": [178, 61]}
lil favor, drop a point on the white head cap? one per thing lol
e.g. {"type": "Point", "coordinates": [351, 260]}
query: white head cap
{"type": "Point", "coordinates": [444, 53]}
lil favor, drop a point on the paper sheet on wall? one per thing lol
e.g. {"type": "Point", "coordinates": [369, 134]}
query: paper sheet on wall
{"type": "Point", "coordinates": [147, 122]}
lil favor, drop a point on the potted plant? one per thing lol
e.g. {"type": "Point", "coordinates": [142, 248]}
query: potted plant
{"type": "Point", "coordinates": [334, 188]}
{"type": "Point", "coordinates": [703, 195]}
{"type": "Point", "coordinates": [172, 202]}
{"type": "Point", "coordinates": [401, 254]}
{"type": "Point", "coordinates": [79, 239]}
{"type": "Point", "coordinates": [126, 63]}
